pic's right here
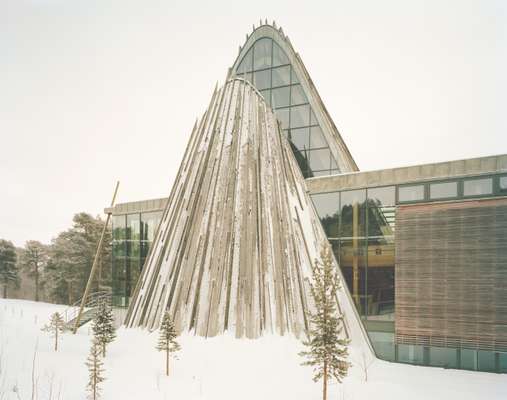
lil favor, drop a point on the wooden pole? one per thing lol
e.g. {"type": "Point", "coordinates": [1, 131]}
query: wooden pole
{"type": "Point", "coordinates": [95, 262]}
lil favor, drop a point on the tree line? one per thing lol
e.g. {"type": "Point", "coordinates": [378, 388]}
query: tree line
{"type": "Point", "coordinates": [61, 269]}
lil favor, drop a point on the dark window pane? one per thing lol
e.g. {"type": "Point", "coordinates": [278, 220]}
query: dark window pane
{"type": "Point", "coordinates": [279, 56]}
{"type": "Point", "coordinates": [283, 116]}
{"type": "Point", "coordinates": [503, 183]}
{"type": "Point", "coordinates": [383, 343]}
{"type": "Point", "coordinates": [297, 95]}
{"type": "Point", "coordinates": [246, 63]}
{"type": "Point", "coordinates": [119, 248]}
{"type": "Point", "coordinates": [313, 119]}
{"type": "Point", "coordinates": [317, 138]}
{"type": "Point", "coordinates": [299, 116]}
{"type": "Point", "coordinates": [262, 79]}
{"type": "Point", "coordinates": [443, 190]}
{"type": "Point", "coordinates": [280, 97]}
{"type": "Point", "coordinates": [119, 227]}
{"type": "Point", "coordinates": [353, 265]}
{"type": "Point", "coordinates": [293, 77]}
{"type": "Point", "coordinates": [319, 159]}
{"type": "Point", "coordinates": [333, 164]}
{"type": "Point", "coordinates": [281, 76]}
{"type": "Point", "coordinates": [468, 359]}
{"type": "Point", "coordinates": [410, 354]}
{"type": "Point", "coordinates": [262, 53]}
{"type": "Point", "coordinates": [477, 187]}
{"type": "Point", "coordinates": [134, 249]}
{"type": "Point", "coordinates": [149, 224]}
{"type": "Point", "coordinates": [411, 193]}
{"type": "Point", "coordinates": [383, 196]}
{"type": "Point", "coordinates": [299, 137]}
{"type": "Point", "coordinates": [267, 96]}
{"type": "Point", "coordinates": [353, 213]}
{"type": "Point", "coordinates": [443, 357]}
{"type": "Point", "coordinates": [503, 362]}
{"type": "Point", "coordinates": [486, 361]}
{"type": "Point", "coordinates": [133, 227]}
{"type": "Point", "coordinates": [380, 283]}
{"type": "Point", "coordinates": [327, 206]}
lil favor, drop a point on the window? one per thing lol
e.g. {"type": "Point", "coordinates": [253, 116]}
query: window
{"type": "Point", "coordinates": [262, 53]}
{"type": "Point", "coordinates": [279, 56]}
{"type": "Point", "coordinates": [411, 193]}
{"type": "Point", "coordinates": [316, 138]}
{"type": "Point", "coordinates": [262, 79]}
{"type": "Point", "coordinates": [297, 95]}
{"type": "Point", "coordinates": [443, 190]}
{"type": "Point", "coordinates": [119, 227]}
{"type": "Point", "coordinates": [267, 96]}
{"type": "Point", "coordinates": [280, 97]}
{"type": "Point", "coordinates": [281, 76]}
{"type": "Point", "coordinates": [283, 116]}
{"type": "Point", "coordinates": [477, 187]}
{"type": "Point", "coordinates": [327, 206]}
{"type": "Point", "coordinates": [299, 137]}
{"type": "Point", "coordinates": [503, 183]}
{"type": "Point", "coordinates": [299, 116]}
{"type": "Point", "coordinates": [353, 213]}
{"type": "Point", "coordinates": [382, 196]}
{"type": "Point", "coordinates": [246, 63]}
{"type": "Point", "coordinates": [319, 159]}
{"type": "Point", "coordinates": [293, 77]}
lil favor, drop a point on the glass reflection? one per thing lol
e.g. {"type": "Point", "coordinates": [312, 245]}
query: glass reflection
{"type": "Point", "coordinates": [281, 76]}
{"type": "Point", "coordinates": [353, 223]}
{"type": "Point", "coordinates": [327, 206]}
{"type": "Point", "coordinates": [262, 53]}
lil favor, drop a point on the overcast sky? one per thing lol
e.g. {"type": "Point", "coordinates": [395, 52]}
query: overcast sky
{"type": "Point", "coordinates": [92, 91]}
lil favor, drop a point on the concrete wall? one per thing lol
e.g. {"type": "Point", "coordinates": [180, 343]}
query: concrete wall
{"type": "Point", "coordinates": [444, 170]}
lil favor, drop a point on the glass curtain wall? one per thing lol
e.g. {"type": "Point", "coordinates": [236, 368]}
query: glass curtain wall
{"type": "Point", "coordinates": [360, 226]}
{"type": "Point", "coordinates": [268, 68]}
{"type": "Point", "coordinates": [132, 237]}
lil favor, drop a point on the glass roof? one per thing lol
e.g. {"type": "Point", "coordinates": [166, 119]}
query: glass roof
{"type": "Point", "coordinates": [268, 68]}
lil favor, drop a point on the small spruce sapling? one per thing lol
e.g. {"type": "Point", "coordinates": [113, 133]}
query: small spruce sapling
{"type": "Point", "coordinates": [95, 370]}
{"type": "Point", "coordinates": [326, 352]}
{"type": "Point", "coordinates": [103, 327]}
{"type": "Point", "coordinates": [54, 327]}
{"type": "Point", "coordinates": [167, 339]}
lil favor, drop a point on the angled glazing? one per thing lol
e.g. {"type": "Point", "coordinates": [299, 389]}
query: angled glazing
{"type": "Point", "coordinates": [270, 63]}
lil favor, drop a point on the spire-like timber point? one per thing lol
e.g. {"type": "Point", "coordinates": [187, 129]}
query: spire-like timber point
{"type": "Point", "coordinates": [237, 240]}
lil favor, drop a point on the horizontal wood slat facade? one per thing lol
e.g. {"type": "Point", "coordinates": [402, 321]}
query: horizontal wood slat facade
{"type": "Point", "coordinates": [451, 274]}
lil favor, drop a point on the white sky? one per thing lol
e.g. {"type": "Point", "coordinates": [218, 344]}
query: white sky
{"type": "Point", "coordinates": [92, 91]}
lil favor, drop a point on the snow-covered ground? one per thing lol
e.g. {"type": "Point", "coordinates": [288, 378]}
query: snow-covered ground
{"type": "Point", "coordinates": [219, 368]}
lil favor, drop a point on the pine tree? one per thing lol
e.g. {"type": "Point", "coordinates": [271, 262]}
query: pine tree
{"type": "Point", "coordinates": [55, 326]}
{"type": "Point", "coordinates": [326, 351]}
{"type": "Point", "coordinates": [8, 268]}
{"type": "Point", "coordinates": [94, 364]}
{"type": "Point", "coordinates": [33, 259]}
{"type": "Point", "coordinates": [167, 339]}
{"type": "Point", "coordinates": [103, 326]}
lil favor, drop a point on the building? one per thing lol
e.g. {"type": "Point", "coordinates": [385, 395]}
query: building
{"type": "Point", "coordinates": [422, 249]}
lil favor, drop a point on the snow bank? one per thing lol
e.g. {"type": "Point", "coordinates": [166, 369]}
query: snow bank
{"type": "Point", "coordinates": [218, 368]}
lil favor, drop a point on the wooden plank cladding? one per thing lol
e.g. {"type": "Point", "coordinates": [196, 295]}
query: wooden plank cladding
{"type": "Point", "coordinates": [451, 274]}
{"type": "Point", "coordinates": [238, 237]}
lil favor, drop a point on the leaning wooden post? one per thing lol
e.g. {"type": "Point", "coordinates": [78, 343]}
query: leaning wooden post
{"type": "Point", "coordinates": [95, 262]}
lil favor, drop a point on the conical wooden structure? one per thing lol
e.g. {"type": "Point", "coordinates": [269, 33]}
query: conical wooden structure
{"type": "Point", "coordinates": [239, 234]}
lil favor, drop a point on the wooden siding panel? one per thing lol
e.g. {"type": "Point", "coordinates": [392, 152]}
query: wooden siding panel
{"type": "Point", "coordinates": [451, 274]}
